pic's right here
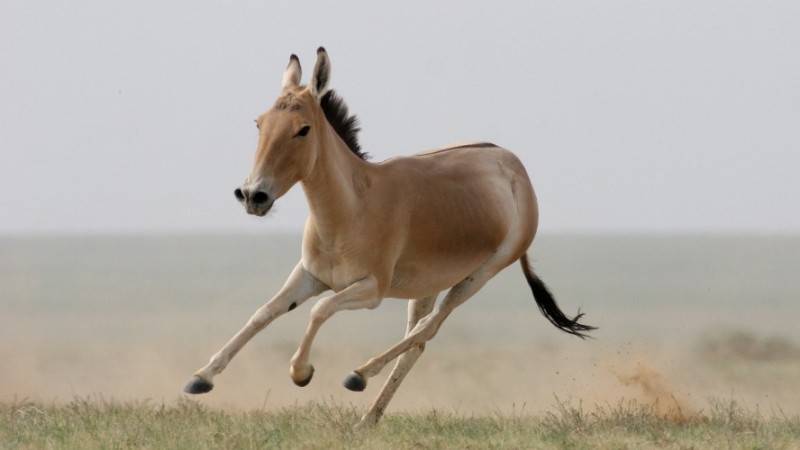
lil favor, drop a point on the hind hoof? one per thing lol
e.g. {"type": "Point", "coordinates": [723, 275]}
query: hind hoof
{"type": "Point", "coordinates": [355, 382]}
{"type": "Point", "coordinates": [304, 382]}
{"type": "Point", "coordinates": [198, 385]}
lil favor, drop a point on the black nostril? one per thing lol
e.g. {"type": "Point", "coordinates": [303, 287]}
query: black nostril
{"type": "Point", "coordinates": [260, 197]}
{"type": "Point", "coordinates": [239, 194]}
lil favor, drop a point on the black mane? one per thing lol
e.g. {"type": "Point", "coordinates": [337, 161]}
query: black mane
{"type": "Point", "coordinates": [345, 124]}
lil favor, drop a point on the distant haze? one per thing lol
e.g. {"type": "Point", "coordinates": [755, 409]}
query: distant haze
{"type": "Point", "coordinates": [631, 116]}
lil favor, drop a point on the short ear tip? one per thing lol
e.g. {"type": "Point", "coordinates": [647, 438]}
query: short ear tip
{"type": "Point", "coordinates": [294, 57]}
{"type": "Point", "coordinates": [321, 49]}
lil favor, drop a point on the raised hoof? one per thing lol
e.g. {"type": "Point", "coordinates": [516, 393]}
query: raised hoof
{"type": "Point", "coordinates": [304, 383]}
{"type": "Point", "coordinates": [355, 382]}
{"type": "Point", "coordinates": [198, 385]}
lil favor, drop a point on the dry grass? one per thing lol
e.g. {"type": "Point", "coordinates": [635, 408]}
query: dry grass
{"type": "Point", "coordinates": [95, 423]}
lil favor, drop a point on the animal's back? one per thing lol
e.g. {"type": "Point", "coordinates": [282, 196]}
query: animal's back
{"type": "Point", "coordinates": [483, 186]}
{"type": "Point", "coordinates": [464, 202]}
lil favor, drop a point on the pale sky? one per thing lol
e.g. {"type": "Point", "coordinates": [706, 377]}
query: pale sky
{"type": "Point", "coordinates": [631, 116]}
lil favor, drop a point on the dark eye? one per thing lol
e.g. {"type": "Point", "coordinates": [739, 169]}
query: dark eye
{"type": "Point", "coordinates": [303, 131]}
{"type": "Point", "coordinates": [257, 125]}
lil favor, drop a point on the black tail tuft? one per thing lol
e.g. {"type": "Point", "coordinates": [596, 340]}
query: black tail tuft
{"type": "Point", "coordinates": [549, 307]}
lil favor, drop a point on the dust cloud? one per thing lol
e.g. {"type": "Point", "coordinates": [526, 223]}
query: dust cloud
{"type": "Point", "coordinates": [657, 393]}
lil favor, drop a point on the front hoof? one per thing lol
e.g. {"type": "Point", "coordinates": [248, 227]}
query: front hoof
{"type": "Point", "coordinates": [303, 382]}
{"type": "Point", "coordinates": [355, 382]}
{"type": "Point", "coordinates": [198, 385]}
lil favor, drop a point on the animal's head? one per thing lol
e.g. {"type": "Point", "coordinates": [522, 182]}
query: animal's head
{"type": "Point", "coordinates": [289, 137]}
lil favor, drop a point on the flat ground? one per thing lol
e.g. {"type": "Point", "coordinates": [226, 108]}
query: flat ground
{"type": "Point", "coordinates": [684, 322]}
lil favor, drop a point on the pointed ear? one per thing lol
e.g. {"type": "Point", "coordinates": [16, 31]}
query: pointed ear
{"type": "Point", "coordinates": [322, 74]}
{"type": "Point", "coordinates": [291, 76]}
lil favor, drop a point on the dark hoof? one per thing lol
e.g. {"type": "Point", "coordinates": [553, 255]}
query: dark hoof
{"type": "Point", "coordinates": [355, 382]}
{"type": "Point", "coordinates": [198, 385]}
{"type": "Point", "coordinates": [304, 383]}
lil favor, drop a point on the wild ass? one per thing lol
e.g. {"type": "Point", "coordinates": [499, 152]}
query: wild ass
{"type": "Point", "coordinates": [408, 228]}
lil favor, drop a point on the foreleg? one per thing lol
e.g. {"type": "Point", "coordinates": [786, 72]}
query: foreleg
{"type": "Point", "coordinates": [361, 294]}
{"type": "Point", "coordinates": [299, 287]}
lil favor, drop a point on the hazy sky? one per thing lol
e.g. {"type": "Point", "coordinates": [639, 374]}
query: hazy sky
{"type": "Point", "coordinates": [644, 116]}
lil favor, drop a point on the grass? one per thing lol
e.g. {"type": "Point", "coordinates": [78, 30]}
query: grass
{"type": "Point", "coordinates": [96, 423]}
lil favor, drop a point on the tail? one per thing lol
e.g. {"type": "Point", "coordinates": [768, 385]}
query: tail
{"type": "Point", "coordinates": [549, 307]}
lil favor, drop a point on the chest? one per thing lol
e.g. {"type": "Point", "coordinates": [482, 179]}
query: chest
{"type": "Point", "coordinates": [340, 263]}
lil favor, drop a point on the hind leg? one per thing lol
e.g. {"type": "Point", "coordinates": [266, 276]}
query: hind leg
{"type": "Point", "coordinates": [417, 309]}
{"type": "Point", "coordinates": [427, 327]}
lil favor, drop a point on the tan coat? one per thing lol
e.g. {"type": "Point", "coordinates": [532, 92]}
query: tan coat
{"type": "Point", "coordinates": [410, 227]}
